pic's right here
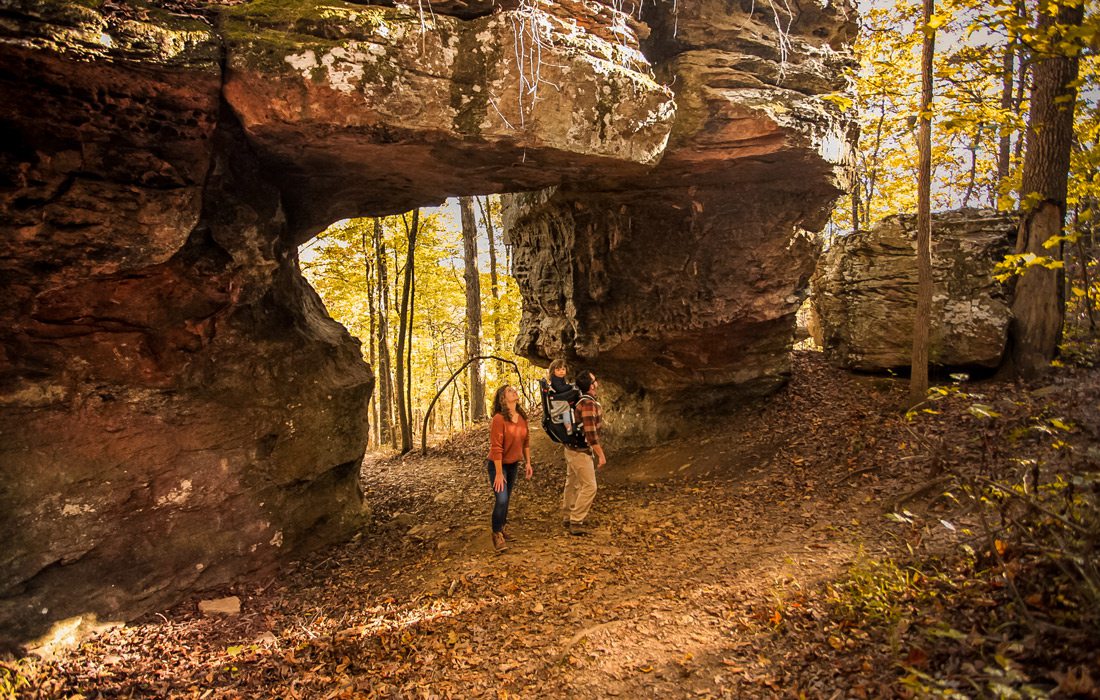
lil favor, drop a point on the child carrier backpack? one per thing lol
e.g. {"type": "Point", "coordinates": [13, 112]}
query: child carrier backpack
{"type": "Point", "coordinates": [554, 418]}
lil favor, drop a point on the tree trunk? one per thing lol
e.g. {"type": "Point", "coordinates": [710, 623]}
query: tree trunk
{"type": "Point", "coordinates": [437, 342]}
{"type": "Point", "coordinates": [494, 283]}
{"type": "Point", "coordinates": [1086, 284]}
{"type": "Point", "coordinates": [473, 307]}
{"type": "Point", "coordinates": [464, 405]}
{"type": "Point", "coordinates": [368, 253]}
{"type": "Point", "coordinates": [451, 413]}
{"type": "Point", "coordinates": [1004, 144]}
{"type": "Point", "coordinates": [1038, 305]}
{"type": "Point", "coordinates": [409, 340]}
{"type": "Point", "coordinates": [855, 204]}
{"type": "Point", "coordinates": [975, 144]}
{"type": "Point", "coordinates": [396, 270]}
{"type": "Point", "coordinates": [922, 321]}
{"type": "Point", "coordinates": [1023, 68]}
{"type": "Point", "coordinates": [404, 336]}
{"type": "Point", "coordinates": [385, 404]}
{"type": "Point", "coordinates": [451, 410]}
{"type": "Point", "coordinates": [872, 174]}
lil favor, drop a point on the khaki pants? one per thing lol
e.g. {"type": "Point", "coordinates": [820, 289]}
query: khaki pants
{"type": "Point", "coordinates": [580, 485]}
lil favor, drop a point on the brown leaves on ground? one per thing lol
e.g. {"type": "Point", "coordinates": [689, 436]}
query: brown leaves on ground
{"type": "Point", "coordinates": [806, 549]}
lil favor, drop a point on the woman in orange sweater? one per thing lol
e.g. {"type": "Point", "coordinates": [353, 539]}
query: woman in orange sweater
{"type": "Point", "coordinates": [509, 445]}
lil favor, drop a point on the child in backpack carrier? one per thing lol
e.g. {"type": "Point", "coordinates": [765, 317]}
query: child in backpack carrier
{"type": "Point", "coordinates": [563, 393]}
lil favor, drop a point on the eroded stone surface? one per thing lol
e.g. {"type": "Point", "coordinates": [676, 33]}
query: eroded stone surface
{"type": "Point", "coordinates": [382, 110]}
{"type": "Point", "coordinates": [865, 293]}
{"type": "Point", "coordinates": [680, 286]}
{"type": "Point", "coordinates": [177, 408]}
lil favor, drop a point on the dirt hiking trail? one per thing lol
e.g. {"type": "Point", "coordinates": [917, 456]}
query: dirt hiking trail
{"type": "Point", "coordinates": [711, 570]}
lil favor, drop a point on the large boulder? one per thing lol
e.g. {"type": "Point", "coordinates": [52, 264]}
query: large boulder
{"type": "Point", "coordinates": [865, 290]}
{"type": "Point", "coordinates": [680, 285]}
{"type": "Point", "coordinates": [176, 407]}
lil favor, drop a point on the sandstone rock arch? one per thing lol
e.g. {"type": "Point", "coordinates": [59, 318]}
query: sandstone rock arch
{"type": "Point", "coordinates": [177, 407]}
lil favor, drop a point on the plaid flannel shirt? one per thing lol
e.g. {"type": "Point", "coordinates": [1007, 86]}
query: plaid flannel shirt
{"type": "Point", "coordinates": [590, 417]}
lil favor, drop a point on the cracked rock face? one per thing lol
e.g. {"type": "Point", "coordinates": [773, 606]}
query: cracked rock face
{"type": "Point", "coordinates": [177, 408]}
{"type": "Point", "coordinates": [175, 405]}
{"type": "Point", "coordinates": [865, 293]}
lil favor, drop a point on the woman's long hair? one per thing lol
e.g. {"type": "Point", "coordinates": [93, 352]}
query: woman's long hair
{"type": "Point", "coordinates": [499, 407]}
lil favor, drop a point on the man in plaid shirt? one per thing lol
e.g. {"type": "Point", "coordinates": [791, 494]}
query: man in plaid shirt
{"type": "Point", "coordinates": [581, 465]}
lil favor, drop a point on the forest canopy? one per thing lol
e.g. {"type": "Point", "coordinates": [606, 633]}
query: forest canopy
{"type": "Point", "coordinates": [359, 270]}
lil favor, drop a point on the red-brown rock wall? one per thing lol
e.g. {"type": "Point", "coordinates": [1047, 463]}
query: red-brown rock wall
{"type": "Point", "coordinates": [176, 407]}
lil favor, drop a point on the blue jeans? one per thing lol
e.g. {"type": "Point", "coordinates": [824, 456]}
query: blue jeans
{"type": "Point", "coordinates": [500, 508]}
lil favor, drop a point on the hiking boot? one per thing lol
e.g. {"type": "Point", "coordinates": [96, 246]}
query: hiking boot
{"type": "Point", "coordinates": [506, 535]}
{"type": "Point", "coordinates": [578, 528]}
{"type": "Point", "coordinates": [498, 542]}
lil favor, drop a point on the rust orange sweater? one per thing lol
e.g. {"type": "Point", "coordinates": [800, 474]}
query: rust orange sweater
{"type": "Point", "coordinates": [507, 440]}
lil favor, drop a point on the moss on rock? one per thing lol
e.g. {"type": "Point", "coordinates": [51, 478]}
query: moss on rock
{"type": "Point", "coordinates": [85, 30]}
{"type": "Point", "coordinates": [469, 88]}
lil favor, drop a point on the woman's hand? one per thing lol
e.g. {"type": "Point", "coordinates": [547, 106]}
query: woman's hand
{"type": "Point", "coordinates": [498, 481]}
{"type": "Point", "coordinates": [528, 471]}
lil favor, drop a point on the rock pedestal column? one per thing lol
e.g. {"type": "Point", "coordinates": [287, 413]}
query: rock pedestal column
{"type": "Point", "coordinates": [680, 285]}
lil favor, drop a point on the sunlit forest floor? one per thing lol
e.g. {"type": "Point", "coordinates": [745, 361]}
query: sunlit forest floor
{"type": "Point", "coordinates": [805, 548]}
